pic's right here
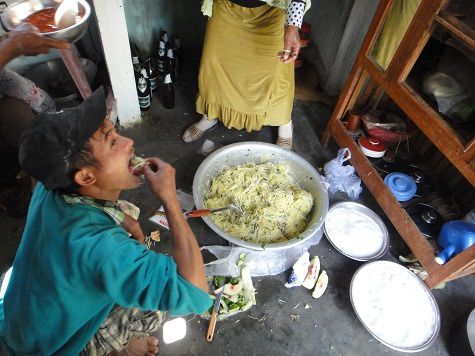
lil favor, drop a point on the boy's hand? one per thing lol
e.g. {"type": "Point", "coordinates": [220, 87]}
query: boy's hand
{"type": "Point", "coordinates": [161, 177]}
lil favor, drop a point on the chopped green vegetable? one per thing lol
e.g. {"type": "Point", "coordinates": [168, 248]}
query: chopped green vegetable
{"type": "Point", "coordinates": [219, 281]}
{"type": "Point", "coordinates": [234, 281]}
{"type": "Point", "coordinates": [224, 306]}
{"type": "Point", "coordinates": [234, 307]}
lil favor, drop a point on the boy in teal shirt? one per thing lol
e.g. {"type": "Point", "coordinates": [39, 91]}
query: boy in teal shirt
{"type": "Point", "coordinates": [79, 284]}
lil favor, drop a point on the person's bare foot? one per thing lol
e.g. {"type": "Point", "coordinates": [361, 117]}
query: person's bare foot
{"type": "Point", "coordinates": [144, 346]}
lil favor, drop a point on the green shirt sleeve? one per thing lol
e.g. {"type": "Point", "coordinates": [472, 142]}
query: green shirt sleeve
{"type": "Point", "coordinates": [136, 277]}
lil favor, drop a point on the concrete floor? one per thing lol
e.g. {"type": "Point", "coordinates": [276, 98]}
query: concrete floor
{"type": "Point", "coordinates": [329, 326]}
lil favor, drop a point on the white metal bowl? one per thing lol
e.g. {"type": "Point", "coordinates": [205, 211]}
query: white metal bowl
{"type": "Point", "coordinates": [370, 214]}
{"type": "Point", "coordinates": [355, 286]}
{"type": "Point", "coordinates": [258, 152]}
{"type": "Point", "coordinates": [15, 13]}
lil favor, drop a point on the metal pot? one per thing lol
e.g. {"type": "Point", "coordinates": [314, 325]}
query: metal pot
{"type": "Point", "coordinates": [54, 78]}
{"type": "Point", "coordinates": [428, 219]}
{"type": "Point", "coordinates": [425, 183]}
{"type": "Point", "coordinates": [257, 152]}
{"type": "Point", "coordinates": [15, 13]}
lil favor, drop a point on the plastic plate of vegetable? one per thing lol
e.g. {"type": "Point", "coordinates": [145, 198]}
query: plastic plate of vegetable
{"type": "Point", "coordinates": [238, 293]}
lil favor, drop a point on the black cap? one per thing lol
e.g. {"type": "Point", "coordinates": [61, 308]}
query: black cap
{"type": "Point", "coordinates": [50, 145]}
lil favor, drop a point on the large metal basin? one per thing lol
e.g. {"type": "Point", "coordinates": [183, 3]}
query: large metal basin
{"type": "Point", "coordinates": [54, 78]}
{"type": "Point", "coordinates": [257, 152]}
{"type": "Point", "coordinates": [15, 13]}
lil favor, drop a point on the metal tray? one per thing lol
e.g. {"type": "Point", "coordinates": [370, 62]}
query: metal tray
{"type": "Point", "coordinates": [435, 332]}
{"type": "Point", "coordinates": [370, 213]}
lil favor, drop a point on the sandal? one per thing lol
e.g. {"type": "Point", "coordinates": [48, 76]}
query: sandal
{"type": "Point", "coordinates": [284, 142]}
{"type": "Point", "coordinates": [195, 133]}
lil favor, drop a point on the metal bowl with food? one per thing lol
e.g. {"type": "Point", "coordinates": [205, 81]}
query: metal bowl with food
{"type": "Point", "coordinates": [302, 172]}
{"type": "Point", "coordinates": [356, 231]}
{"type": "Point", "coordinates": [14, 14]}
{"type": "Point", "coordinates": [395, 306]}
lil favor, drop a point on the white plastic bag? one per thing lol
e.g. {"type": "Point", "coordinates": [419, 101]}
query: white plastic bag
{"type": "Point", "coordinates": [340, 177]}
{"type": "Point", "coordinates": [259, 263]}
{"type": "Point", "coordinates": [447, 91]}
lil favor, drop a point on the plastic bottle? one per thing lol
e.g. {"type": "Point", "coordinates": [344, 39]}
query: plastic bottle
{"type": "Point", "coordinates": [167, 92]}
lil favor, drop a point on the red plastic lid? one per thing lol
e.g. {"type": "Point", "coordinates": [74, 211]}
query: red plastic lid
{"type": "Point", "coordinates": [372, 144]}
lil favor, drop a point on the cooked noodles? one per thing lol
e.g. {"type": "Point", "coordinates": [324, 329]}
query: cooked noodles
{"type": "Point", "coordinates": [274, 208]}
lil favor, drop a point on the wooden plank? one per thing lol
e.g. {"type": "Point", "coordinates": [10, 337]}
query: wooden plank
{"type": "Point", "coordinates": [418, 244]}
{"type": "Point", "coordinates": [368, 91]}
{"type": "Point", "coordinates": [436, 159]}
{"type": "Point", "coordinates": [437, 131]}
{"type": "Point", "coordinates": [467, 271]}
{"type": "Point", "coordinates": [453, 268]}
{"type": "Point", "coordinates": [414, 40]}
{"type": "Point", "coordinates": [428, 121]}
{"type": "Point", "coordinates": [457, 28]}
{"type": "Point", "coordinates": [350, 91]}
{"type": "Point", "coordinates": [469, 151]}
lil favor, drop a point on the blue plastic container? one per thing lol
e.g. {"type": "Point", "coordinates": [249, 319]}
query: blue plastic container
{"type": "Point", "coordinates": [401, 185]}
{"type": "Point", "coordinates": [455, 237]}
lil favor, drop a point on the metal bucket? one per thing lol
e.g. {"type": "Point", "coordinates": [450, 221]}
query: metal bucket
{"type": "Point", "coordinates": [258, 152]}
{"type": "Point", "coordinates": [53, 77]}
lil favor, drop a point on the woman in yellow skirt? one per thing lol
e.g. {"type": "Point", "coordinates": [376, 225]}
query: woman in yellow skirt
{"type": "Point", "coordinates": [246, 77]}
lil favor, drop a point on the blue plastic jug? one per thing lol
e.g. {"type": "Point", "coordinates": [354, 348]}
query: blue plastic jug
{"type": "Point", "coordinates": [455, 237]}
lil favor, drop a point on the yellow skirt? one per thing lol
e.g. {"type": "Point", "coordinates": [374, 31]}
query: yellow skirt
{"type": "Point", "coordinates": [241, 81]}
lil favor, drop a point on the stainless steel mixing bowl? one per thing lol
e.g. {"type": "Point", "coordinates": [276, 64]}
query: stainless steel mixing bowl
{"type": "Point", "coordinates": [15, 13]}
{"type": "Point", "coordinates": [355, 285]}
{"type": "Point", "coordinates": [258, 152]}
{"type": "Point", "coordinates": [53, 77]}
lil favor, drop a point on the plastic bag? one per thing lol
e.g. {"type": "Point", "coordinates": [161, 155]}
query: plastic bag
{"type": "Point", "coordinates": [447, 91]}
{"type": "Point", "coordinates": [259, 263]}
{"type": "Point", "coordinates": [340, 177]}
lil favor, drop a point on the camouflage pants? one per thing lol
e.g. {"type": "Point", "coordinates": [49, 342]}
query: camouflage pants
{"type": "Point", "coordinates": [121, 325]}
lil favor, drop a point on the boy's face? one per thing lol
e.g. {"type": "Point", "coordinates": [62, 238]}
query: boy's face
{"type": "Point", "coordinates": [113, 152]}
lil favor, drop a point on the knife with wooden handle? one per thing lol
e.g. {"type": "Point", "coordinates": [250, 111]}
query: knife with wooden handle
{"type": "Point", "coordinates": [204, 212]}
{"type": "Point", "coordinates": [214, 315]}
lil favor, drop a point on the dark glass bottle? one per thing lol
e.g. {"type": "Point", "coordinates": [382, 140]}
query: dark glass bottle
{"type": "Point", "coordinates": [167, 92]}
{"type": "Point", "coordinates": [144, 93]}
{"type": "Point", "coordinates": [152, 72]}
{"type": "Point", "coordinates": [170, 67]}
{"type": "Point", "coordinates": [178, 52]}
{"type": "Point", "coordinates": [135, 59]}
{"type": "Point", "coordinates": [164, 38]}
{"type": "Point", "coordinates": [162, 57]}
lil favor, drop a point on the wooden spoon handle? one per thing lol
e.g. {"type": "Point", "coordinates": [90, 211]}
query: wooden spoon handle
{"type": "Point", "coordinates": [198, 213]}
{"type": "Point", "coordinates": [211, 327]}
